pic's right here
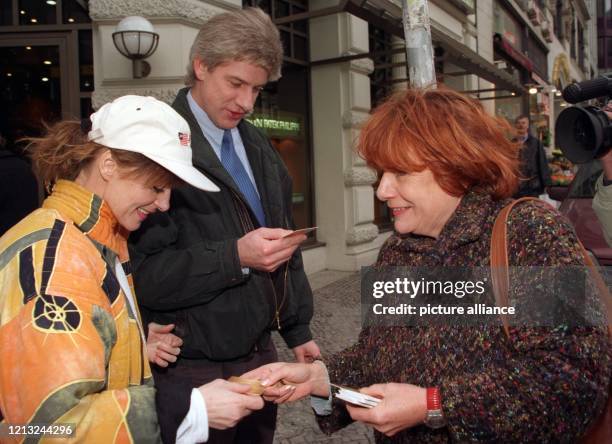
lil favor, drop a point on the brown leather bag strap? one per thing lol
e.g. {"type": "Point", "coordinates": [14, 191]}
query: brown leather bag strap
{"type": "Point", "coordinates": [499, 266]}
{"type": "Point", "coordinates": [499, 258]}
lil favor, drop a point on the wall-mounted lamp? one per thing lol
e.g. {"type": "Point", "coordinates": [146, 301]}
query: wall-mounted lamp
{"type": "Point", "coordinates": [136, 39]}
{"type": "Point", "coordinates": [533, 90]}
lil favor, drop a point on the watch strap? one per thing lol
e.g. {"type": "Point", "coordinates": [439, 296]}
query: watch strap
{"type": "Point", "coordinates": [433, 399]}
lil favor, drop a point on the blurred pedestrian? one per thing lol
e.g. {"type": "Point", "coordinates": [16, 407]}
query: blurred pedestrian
{"type": "Point", "coordinates": [534, 170]}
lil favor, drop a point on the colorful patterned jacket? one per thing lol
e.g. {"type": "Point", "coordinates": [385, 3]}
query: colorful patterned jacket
{"type": "Point", "coordinates": [72, 351]}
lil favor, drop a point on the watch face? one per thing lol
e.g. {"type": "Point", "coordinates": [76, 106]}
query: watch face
{"type": "Point", "coordinates": [435, 419]}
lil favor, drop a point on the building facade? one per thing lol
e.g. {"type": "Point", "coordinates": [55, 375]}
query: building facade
{"type": "Point", "coordinates": [342, 57]}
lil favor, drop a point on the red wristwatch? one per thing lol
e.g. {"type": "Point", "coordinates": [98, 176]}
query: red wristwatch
{"type": "Point", "coordinates": [434, 418]}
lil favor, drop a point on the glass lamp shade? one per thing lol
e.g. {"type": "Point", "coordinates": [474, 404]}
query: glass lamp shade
{"type": "Point", "coordinates": [135, 37]}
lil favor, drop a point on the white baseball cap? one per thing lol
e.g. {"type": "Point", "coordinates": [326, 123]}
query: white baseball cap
{"type": "Point", "coordinates": [152, 128]}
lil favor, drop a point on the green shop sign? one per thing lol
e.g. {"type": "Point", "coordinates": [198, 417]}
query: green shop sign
{"type": "Point", "coordinates": [281, 126]}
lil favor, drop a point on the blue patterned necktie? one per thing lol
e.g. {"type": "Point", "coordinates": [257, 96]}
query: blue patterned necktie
{"type": "Point", "coordinates": [234, 167]}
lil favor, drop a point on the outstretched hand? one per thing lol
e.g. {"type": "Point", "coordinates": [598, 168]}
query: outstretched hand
{"type": "Point", "coordinates": [288, 382]}
{"type": "Point", "coordinates": [402, 406]}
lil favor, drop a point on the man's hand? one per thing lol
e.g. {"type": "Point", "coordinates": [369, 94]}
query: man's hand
{"type": "Point", "coordinates": [296, 381]}
{"type": "Point", "coordinates": [402, 406]}
{"type": "Point", "coordinates": [227, 403]}
{"type": "Point", "coordinates": [306, 352]}
{"type": "Point", "coordinates": [265, 249]}
{"type": "Point", "coordinates": [162, 346]}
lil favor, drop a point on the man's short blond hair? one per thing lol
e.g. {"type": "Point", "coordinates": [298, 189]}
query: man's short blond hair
{"type": "Point", "coordinates": [246, 35]}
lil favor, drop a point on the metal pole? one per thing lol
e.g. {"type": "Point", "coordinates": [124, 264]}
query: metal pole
{"type": "Point", "coordinates": [419, 50]}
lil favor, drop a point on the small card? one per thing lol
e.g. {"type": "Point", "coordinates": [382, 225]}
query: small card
{"type": "Point", "coordinates": [354, 397]}
{"type": "Point", "coordinates": [256, 387]}
{"type": "Point", "coordinates": [300, 231]}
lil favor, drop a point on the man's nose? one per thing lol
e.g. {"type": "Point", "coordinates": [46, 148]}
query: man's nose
{"type": "Point", "coordinates": [246, 98]}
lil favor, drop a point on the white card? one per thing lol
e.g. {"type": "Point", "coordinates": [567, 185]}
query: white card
{"type": "Point", "coordinates": [354, 397]}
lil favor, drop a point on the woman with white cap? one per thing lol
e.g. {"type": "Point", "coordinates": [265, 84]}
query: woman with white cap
{"type": "Point", "coordinates": [75, 362]}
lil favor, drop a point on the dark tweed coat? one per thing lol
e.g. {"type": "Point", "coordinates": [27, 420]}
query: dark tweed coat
{"type": "Point", "coordinates": [541, 385]}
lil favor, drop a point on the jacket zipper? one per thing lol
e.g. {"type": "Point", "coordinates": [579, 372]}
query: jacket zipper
{"type": "Point", "coordinates": [247, 225]}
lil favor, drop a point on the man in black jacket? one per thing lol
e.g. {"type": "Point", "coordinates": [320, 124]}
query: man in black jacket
{"type": "Point", "coordinates": [222, 266]}
{"type": "Point", "coordinates": [535, 174]}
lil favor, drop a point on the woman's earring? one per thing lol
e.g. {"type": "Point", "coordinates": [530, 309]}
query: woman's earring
{"type": "Point", "coordinates": [49, 187]}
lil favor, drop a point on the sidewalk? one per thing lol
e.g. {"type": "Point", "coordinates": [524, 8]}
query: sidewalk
{"type": "Point", "coordinates": [335, 325]}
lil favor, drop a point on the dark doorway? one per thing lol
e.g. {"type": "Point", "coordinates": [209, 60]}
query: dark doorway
{"type": "Point", "coordinates": [30, 89]}
{"type": "Point", "coordinates": [46, 64]}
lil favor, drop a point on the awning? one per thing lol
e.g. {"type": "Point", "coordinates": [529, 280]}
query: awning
{"type": "Point", "coordinates": [387, 15]}
{"type": "Point", "coordinates": [504, 46]}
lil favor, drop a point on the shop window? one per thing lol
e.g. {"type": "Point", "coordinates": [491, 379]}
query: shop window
{"type": "Point", "coordinates": [559, 21]}
{"type": "Point", "coordinates": [538, 56]}
{"type": "Point", "coordinates": [73, 12]}
{"type": "Point", "coordinates": [86, 80]}
{"type": "Point", "coordinates": [37, 12]}
{"type": "Point", "coordinates": [381, 78]}
{"type": "Point", "coordinates": [38, 67]}
{"type": "Point", "coordinates": [31, 95]}
{"type": "Point", "coordinates": [381, 84]}
{"type": "Point", "coordinates": [506, 25]}
{"type": "Point", "coordinates": [6, 13]}
{"type": "Point", "coordinates": [604, 11]}
{"type": "Point", "coordinates": [282, 112]}
{"type": "Point", "coordinates": [294, 35]}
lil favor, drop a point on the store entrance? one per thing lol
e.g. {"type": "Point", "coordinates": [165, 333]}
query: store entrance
{"type": "Point", "coordinates": [34, 87]}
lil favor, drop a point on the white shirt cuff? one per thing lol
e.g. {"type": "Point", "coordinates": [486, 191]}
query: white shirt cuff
{"type": "Point", "coordinates": [194, 427]}
{"type": "Point", "coordinates": [322, 406]}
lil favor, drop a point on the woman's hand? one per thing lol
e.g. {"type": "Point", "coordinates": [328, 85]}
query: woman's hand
{"type": "Point", "coordinates": [162, 346]}
{"type": "Point", "coordinates": [402, 406]}
{"type": "Point", "coordinates": [286, 382]}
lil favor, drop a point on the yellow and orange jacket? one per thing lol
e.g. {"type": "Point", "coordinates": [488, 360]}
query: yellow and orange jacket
{"type": "Point", "coordinates": [71, 348]}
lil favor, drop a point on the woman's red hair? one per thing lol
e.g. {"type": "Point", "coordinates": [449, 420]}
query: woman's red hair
{"type": "Point", "coordinates": [447, 133]}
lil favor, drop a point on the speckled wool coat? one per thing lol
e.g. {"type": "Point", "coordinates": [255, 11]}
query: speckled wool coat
{"type": "Point", "coordinates": [541, 385]}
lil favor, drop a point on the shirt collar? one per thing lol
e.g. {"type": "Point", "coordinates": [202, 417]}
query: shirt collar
{"type": "Point", "coordinates": [208, 127]}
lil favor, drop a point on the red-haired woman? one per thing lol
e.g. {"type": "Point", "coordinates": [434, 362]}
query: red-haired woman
{"type": "Point", "coordinates": [447, 169]}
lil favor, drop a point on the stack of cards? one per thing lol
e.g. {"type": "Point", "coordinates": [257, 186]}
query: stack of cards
{"type": "Point", "coordinates": [354, 397]}
{"type": "Point", "coordinates": [256, 387]}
